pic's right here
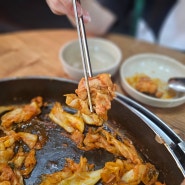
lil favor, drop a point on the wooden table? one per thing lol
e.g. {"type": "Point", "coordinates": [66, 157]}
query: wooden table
{"type": "Point", "coordinates": [36, 53]}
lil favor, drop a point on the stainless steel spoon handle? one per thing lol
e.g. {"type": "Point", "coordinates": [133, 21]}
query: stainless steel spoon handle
{"type": "Point", "coordinates": [177, 84]}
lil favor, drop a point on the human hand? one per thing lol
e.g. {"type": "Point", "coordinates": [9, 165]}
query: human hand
{"type": "Point", "coordinates": [183, 182]}
{"type": "Point", "coordinates": [65, 7]}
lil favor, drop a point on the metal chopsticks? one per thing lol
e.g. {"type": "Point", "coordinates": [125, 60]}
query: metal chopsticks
{"type": "Point", "coordinates": [84, 50]}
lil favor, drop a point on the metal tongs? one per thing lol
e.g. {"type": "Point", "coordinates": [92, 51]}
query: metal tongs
{"type": "Point", "coordinates": [84, 50]}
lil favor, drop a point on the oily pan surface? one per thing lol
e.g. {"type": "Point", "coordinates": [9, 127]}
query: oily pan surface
{"type": "Point", "coordinates": [52, 156]}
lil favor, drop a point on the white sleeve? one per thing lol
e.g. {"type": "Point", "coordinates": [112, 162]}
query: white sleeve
{"type": "Point", "coordinates": [172, 33]}
{"type": "Point", "coordinates": [101, 18]}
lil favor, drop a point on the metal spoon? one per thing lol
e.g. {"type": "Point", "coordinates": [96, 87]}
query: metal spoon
{"type": "Point", "coordinates": [177, 84]}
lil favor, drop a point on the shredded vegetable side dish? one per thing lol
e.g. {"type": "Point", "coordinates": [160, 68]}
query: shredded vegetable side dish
{"type": "Point", "coordinates": [19, 143]}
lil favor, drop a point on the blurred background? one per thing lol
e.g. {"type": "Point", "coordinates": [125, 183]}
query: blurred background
{"type": "Point", "coordinates": [34, 14]}
{"type": "Point", "coordinates": [16, 15]}
{"type": "Point", "coordinates": [142, 19]}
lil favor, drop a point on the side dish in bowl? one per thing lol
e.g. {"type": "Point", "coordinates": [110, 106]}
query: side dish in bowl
{"type": "Point", "coordinates": [153, 87]}
{"type": "Point", "coordinates": [144, 77]}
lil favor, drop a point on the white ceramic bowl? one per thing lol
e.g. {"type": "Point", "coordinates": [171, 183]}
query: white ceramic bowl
{"type": "Point", "coordinates": [155, 66]}
{"type": "Point", "coordinates": [105, 57]}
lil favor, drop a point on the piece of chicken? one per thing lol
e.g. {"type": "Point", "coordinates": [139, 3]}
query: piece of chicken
{"type": "Point", "coordinates": [29, 163]}
{"type": "Point", "coordinates": [145, 84]}
{"type": "Point", "coordinates": [7, 144]}
{"type": "Point", "coordinates": [7, 155]}
{"type": "Point", "coordinates": [125, 172]}
{"type": "Point", "coordinates": [102, 92]}
{"type": "Point", "coordinates": [82, 106]}
{"type": "Point", "coordinates": [6, 108]}
{"type": "Point", "coordinates": [21, 114]}
{"type": "Point", "coordinates": [8, 176]}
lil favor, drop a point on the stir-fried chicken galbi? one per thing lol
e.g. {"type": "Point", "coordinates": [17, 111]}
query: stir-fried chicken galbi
{"type": "Point", "coordinates": [102, 92]}
{"type": "Point", "coordinates": [17, 164]}
{"type": "Point", "coordinates": [14, 165]}
{"type": "Point", "coordinates": [21, 114]}
{"type": "Point", "coordinates": [73, 173]}
{"type": "Point", "coordinates": [123, 172]}
{"type": "Point", "coordinates": [8, 176]}
{"type": "Point", "coordinates": [119, 172]}
{"type": "Point", "coordinates": [100, 138]}
{"type": "Point", "coordinates": [132, 170]}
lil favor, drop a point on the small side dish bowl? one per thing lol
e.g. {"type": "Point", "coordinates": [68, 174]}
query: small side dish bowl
{"type": "Point", "coordinates": [155, 66]}
{"type": "Point", "coordinates": [105, 57]}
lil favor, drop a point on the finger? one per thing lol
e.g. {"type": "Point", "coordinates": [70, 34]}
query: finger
{"type": "Point", "coordinates": [61, 7]}
{"type": "Point", "coordinates": [80, 11]}
{"type": "Point", "coordinates": [56, 7]}
{"type": "Point", "coordinates": [86, 16]}
{"type": "Point", "coordinates": [68, 4]}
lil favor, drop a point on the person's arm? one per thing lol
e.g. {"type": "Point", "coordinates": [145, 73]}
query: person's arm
{"type": "Point", "coordinates": [99, 21]}
{"type": "Point", "coordinates": [102, 18]}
